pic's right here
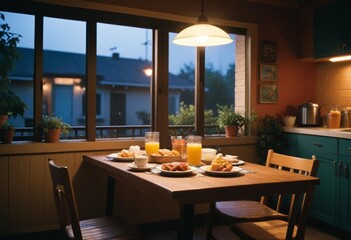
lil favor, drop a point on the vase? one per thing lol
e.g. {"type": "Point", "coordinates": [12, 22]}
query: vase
{"type": "Point", "coordinates": [231, 131]}
{"type": "Point", "coordinates": [7, 135]}
{"type": "Point", "coordinates": [3, 119]}
{"type": "Point", "coordinates": [53, 135]}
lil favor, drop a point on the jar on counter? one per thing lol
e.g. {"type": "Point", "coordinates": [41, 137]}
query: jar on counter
{"type": "Point", "coordinates": [334, 118]}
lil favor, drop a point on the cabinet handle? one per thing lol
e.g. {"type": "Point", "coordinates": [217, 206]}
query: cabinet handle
{"type": "Point", "coordinates": [346, 171]}
{"type": "Point", "coordinates": [338, 169]}
{"type": "Point", "coordinates": [317, 144]}
{"type": "Point", "coordinates": [349, 148]}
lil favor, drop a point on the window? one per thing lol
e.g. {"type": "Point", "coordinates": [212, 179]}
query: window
{"type": "Point", "coordinates": [123, 55]}
{"type": "Point", "coordinates": [20, 83]}
{"type": "Point", "coordinates": [124, 49]}
{"type": "Point", "coordinates": [64, 69]}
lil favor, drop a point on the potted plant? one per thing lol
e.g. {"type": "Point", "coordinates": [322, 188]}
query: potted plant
{"type": "Point", "coordinates": [52, 126]}
{"type": "Point", "coordinates": [10, 103]}
{"type": "Point", "coordinates": [230, 120]}
{"type": "Point", "coordinates": [270, 135]}
{"type": "Point", "coordinates": [7, 131]}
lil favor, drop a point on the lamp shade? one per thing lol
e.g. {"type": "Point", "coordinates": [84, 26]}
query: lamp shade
{"type": "Point", "coordinates": [202, 35]}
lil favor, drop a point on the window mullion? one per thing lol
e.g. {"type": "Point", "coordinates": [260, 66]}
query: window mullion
{"type": "Point", "coordinates": [91, 81]}
{"type": "Point", "coordinates": [200, 91]}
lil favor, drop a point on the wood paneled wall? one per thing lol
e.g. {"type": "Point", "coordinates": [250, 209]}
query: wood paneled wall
{"type": "Point", "coordinates": [26, 200]}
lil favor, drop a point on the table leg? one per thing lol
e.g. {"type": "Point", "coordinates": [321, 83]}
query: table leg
{"type": "Point", "coordinates": [110, 195]}
{"type": "Point", "coordinates": [186, 225]}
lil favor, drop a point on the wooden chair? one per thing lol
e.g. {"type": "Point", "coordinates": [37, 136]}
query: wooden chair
{"type": "Point", "coordinates": [71, 227]}
{"type": "Point", "coordinates": [254, 212]}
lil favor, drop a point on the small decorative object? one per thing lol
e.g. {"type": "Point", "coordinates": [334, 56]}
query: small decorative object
{"type": "Point", "coordinates": [7, 131]}
{"type": "Point", "coordinates": [230, 120]}
{"type": "Point", "coordinates": [268, 93]}
{"type": "Point", "coordinates": [289, 121]}
{"type": "Point", "coordinates": [269, 51]}
{"type": "Point", "coordinates": [268, 72]}
{"type": "Point", "coordinates": [52, 126]}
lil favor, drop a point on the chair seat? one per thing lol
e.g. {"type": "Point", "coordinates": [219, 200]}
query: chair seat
{"type": "Point", "coordinates": [274, 229]}
{"type": "Point", "coordinates": [106, 228]}
{"type": "Point", "coordinates": [242, 211]}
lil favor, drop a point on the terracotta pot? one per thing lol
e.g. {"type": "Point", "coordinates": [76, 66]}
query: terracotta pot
{"type": "Point", "coordinates": [7, 135]}
{"type": "Point", "coordinates": [53, 135]}
{"type": "Point", "coordinates": [231, 131]}
{"type": "Point", "coordinates": [3, 119]}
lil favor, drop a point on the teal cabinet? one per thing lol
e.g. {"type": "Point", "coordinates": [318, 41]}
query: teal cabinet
{"type": "Point", "coordinates": [332, 29]}
{"type": "Point", "coordinates": [332, 198]}
{"type": "Point", "coordinates": [343, 173]}
{"type": "Point", "coordinates": [325, 199]}
{"type": "Point", "coordinates": [290, 147]}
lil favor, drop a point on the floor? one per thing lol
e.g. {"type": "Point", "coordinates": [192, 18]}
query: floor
{"type": "Point", "coordinates": [167, 231]}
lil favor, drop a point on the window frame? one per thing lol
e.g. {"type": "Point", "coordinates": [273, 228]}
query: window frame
{"type": "Point", "coordinates": [159, 83]}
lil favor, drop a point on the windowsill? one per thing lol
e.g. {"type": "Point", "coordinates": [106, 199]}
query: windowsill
{"type": "Point", "coordinates": [65, 146]}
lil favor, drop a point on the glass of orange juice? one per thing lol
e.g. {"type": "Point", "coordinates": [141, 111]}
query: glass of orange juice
{"type": "Point", "coordinates": [193, 149]}
{"type": "Point", "coordinates": [152, 142]}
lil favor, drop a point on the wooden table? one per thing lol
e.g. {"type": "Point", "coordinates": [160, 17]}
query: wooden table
{"type": "Point", "coordinates": [188, 191]}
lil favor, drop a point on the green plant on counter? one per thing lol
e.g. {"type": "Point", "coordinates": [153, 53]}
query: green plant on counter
{"type": "Point", "coordinates": [228, 117]}
{"type": "Point", "coordinates": [53, 122]}
{"type": "Point", "coordinates": [270, 135]}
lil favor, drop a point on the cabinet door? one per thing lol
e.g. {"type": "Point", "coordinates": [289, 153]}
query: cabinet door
{"type": "Point", "coordinates": [345, 184]}
{"type": "Point", "coordinates": [324, 205]}
{"type": "Point", "coordinates": [290, 147]}
{"type": "Point", "coordinates": [327, 31]}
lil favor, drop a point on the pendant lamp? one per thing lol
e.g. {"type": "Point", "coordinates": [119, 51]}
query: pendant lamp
{"type": "Point", "coordinates": [202, 34]}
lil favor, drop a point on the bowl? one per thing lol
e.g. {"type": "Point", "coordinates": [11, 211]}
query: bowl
{"type": "Point", "coordinates": [208, 153]}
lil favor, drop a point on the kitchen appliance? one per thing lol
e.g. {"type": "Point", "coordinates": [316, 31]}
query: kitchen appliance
{"type": "Point", "coordinates": [309, 115]}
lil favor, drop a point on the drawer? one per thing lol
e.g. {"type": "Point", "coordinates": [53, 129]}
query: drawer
{"type": "Point", "coordinates": [324, 147]}
{"type": "Point", "coordinates": [345, 147]}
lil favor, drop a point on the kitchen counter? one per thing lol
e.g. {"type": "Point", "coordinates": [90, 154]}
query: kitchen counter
{"type": "Point", "coordinates": [320, 131]}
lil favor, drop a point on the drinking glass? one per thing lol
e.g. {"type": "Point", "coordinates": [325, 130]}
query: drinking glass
{"type": "Point", "coordinates": [152, 142]}
{"type": "Point", "coordinates": [193, 149]}
{"type": "Point", "coordinates": [178, 144]}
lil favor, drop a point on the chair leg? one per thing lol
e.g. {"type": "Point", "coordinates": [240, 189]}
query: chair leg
{"type": "Point", "coordinates": [210, 221]}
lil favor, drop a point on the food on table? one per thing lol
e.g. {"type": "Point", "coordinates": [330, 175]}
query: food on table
{"type": "Point", "coordinates": [166, 153]}
{"type": "Point", "coordinates": [175, 166]}
{"type": "Point", "coordinates": [134, 149]}
{"type": "Point", "coordinates": [219, 163]}
{"type": "Point", "coordinates": [126, 153]}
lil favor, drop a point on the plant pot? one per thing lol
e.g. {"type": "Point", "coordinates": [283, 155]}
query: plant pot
{"type": "Point", "coordinates": [231, 131]}
{"type": "Point", "coordinates": [3, 119]}
{"type": "Point", "coordinates": [7, 135]}
{"type": "Point", "coordinates": [53, 135]}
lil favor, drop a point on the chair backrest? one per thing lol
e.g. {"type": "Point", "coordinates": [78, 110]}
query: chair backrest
{"type": "Point", "coordinates": [64, 199]}
{"type": "Point", "coordinates": [297, 165]}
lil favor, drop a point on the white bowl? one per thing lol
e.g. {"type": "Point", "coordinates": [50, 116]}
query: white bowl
{"type": "Point", "coordinates": [208, 153]}
{"type": "Point", "coordinates": [289, 121]}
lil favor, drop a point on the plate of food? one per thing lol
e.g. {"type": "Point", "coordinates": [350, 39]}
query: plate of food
{"type": "Point", "coordinates": [232, 159]}
{"type": "Point", "coordinates": [175, 169]}
{"type": "Point", "coordinates": [221, 166]}
{"type": "Point", "coordinates": [126, 155]}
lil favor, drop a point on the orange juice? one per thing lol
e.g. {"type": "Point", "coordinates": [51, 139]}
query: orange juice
{"type": "Point", "coordinates": [334, 119]}
{"type": "Point", "coordinates": [194, 154]}
{"type": "Point", "coordinates": [151, 147]}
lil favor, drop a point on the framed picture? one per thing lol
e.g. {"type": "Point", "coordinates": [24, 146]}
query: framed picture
{"type": "Point", "coordinates": [269, 51]}
{"type": "Point", "coordinates": [268, 93]}
{"type": "Point", "coordinates": [268, 72]}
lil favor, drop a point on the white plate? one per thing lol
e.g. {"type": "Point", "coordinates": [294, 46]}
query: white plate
{"type": "Point", "coordinates": [132, 166]}
{"type": "Point", "coordinates": [240, 162]}
{"type": "Point", "coordinates": [116, 157]}
{"type": "Point", "coordinates": [176, 173]}
{"type": "Point", "coordinates": [208, 170]}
